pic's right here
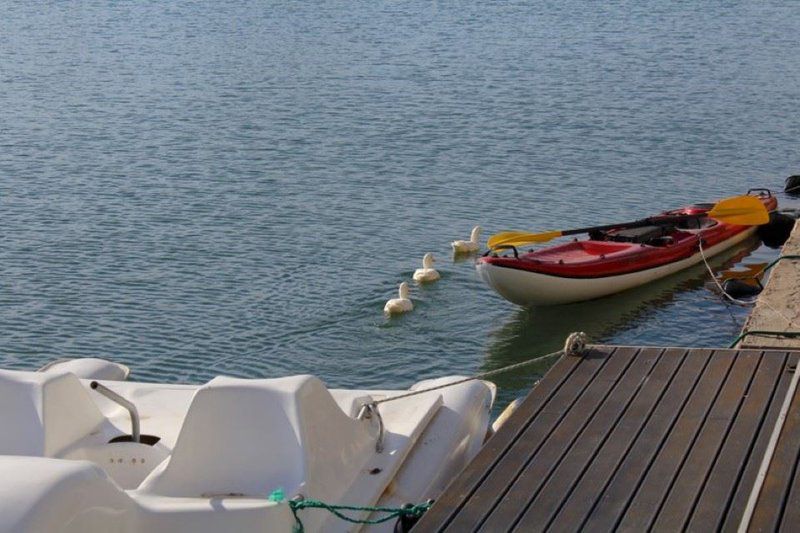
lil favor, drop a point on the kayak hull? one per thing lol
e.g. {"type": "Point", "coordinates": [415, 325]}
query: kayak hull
{"type": "Point", "coordinates": [528, 288]}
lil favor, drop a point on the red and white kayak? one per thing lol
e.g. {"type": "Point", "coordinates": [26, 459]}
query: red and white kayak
{"type": "Point", "coordinates": [611, 261]}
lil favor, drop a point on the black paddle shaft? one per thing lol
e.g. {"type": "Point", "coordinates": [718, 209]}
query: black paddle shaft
{"type": "Point", "coordinates": [666, 220]}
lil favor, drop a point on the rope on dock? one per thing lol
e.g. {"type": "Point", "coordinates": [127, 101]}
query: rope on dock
{"type": "Point", "coordinates": [788, 320]}
{"type": "Point", "coordinates": [755, 277]}
{"type": "Point", "coordinates": [714, 277]}
{"type": "Point", "coordinates": [574, 345]}
{"type": "Point", "coordinates": [775, 262]}
{"type": "Point", "coordinates": [765, 333]}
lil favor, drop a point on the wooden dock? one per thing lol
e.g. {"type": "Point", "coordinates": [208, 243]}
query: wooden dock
{"type": "Point", "coordinates": [637, 439]}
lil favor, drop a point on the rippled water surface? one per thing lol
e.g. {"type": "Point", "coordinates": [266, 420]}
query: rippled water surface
{"type": "Point", "coordinates": [237, 187]}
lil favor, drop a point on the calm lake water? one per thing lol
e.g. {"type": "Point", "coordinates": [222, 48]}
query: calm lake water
{"type": "Point", "coordinates": [203, 188]}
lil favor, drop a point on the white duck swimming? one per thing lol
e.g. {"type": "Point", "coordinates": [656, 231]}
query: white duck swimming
{"type": "Point", "coordinates": [470, 246]}
{"type": "Point", "coordinates": [427, 273]}
{"type": "Point", "coordinates": [399, 305]}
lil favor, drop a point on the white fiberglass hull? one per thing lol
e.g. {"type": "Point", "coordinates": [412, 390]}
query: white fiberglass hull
{"type": "Point", "coordinates": [527, 288]}
{"type": "Point", "coordinates": [229, 454]}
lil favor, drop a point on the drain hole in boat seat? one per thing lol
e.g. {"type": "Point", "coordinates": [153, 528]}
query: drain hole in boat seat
{"type": "Point", "coordinates": [150, 440]}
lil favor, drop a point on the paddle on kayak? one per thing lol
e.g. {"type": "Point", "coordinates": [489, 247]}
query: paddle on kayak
{"type": "Point", "coordinates": [738, 210]}
{"type": "Point", "coordinates": [619, 256]}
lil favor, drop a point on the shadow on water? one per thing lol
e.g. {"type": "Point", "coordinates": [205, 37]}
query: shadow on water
{"type": "Point", "coordinates": [540, 330]}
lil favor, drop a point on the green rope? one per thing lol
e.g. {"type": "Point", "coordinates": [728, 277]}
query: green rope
{"type": "Point", "coordinates": [773, 263]}
{"type": "Point", "coordinates": [414, 511]}
{"type": "Point", "coordinates": [763, 333]}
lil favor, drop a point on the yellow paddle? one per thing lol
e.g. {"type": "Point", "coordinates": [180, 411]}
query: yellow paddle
{"type": "Point", "coordinates": [738, 210]}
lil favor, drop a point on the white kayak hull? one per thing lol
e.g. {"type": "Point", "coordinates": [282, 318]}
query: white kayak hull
{"type": "Point", "coordinates": [529, 289]}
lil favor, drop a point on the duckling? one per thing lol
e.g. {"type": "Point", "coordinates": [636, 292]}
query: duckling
{"type": "Point", "coordinates": [399, 305]}
{"type": "Point", "coordinates": [427, 273]}
{"type": "Point", "coordinates": [470, 246]}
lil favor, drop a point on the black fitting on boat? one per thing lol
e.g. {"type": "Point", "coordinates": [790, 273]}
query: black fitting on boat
{"type": "Point", "coordinates": [407, 520]}
{"type": "Point", "coordinates": [506, 247]}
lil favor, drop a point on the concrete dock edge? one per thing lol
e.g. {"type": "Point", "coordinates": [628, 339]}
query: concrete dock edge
{"type": "Point", "coordinates": [778, 306]}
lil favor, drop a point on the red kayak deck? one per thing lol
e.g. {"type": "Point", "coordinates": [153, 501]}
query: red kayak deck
{"type": "Point", "coordinates": [602, 258]}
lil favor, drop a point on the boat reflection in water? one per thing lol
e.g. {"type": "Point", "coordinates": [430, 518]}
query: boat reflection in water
{"type": "Point", "coordinates": [535, 331]}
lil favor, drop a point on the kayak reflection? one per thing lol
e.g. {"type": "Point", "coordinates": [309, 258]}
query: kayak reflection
{"type": "Point", "coordinates": [535, 331]}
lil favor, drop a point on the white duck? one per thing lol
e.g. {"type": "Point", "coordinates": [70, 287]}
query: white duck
{"type": "Point", "coordinates": [427, 273]}
{"type": "Point", "coordinates": [470, 246]}
{"type": "Point", "coordinates": [399, 305]}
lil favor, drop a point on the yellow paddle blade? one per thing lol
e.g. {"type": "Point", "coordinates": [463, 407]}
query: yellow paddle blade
{"type": "Point", "coordinates": [520, 238]}
{"type": "Point", "coordinates": [741, 211]}
{"type": "Point", "coordinates": [502, 236]}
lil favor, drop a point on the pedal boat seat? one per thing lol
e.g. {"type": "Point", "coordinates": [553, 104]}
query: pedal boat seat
{"type": "Point", "coordinates": [250, 437]}
{"type": "Point", "coordinates": [44, 413]}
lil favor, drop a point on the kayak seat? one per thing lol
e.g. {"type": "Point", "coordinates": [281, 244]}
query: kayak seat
{"type": "Point", "coordinates": [645, 235]}
{"type": "Point", "coordinates": [696, 223]}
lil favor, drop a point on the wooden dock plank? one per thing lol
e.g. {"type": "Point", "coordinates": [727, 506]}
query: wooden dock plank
{"type": "Point", "coordinates": [769, 509]}
{"type": "Point", "coordinates": [692, 475]}
{"type": "Point", "coordinates": [553, 445]}
{"type": "Point", "coordinates": [618, 491]}
{"type": "Point", "coordinates": [459, 491]}
{"type": "Point", "coordinates": [544, 505]}
{"type": "Point", "coordinates": [658, 480]}
{"type": "Point", "coordinates": [637, 439]}
{"type": "Point", "coordinates": [715, 499]}
{"type": "Point", "coordinates": [748, 477]}
{"type": "Point", "coordinates": [587, 491]}
{"type": "Point", "coordinates": [791, 514]}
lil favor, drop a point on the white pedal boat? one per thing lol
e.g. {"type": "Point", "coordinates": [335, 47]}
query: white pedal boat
{"type": "Point", "coordinates": [210, 456]}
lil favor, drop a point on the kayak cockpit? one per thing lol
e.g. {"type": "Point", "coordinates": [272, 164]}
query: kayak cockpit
{"type": "Point", "coordinates": [579, 251]}
{"type": "Point", "coordinates": [652, 235]}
